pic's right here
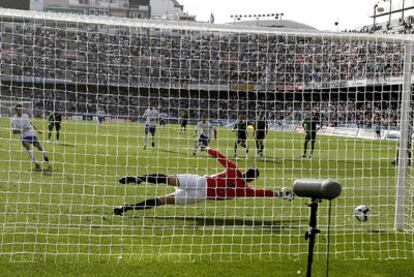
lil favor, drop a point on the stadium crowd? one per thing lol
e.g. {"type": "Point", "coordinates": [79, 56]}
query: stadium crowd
{"type": "Point", "coordinates": [219, 109]}
{"type": "Point", "coordinates": [50, 53]}
{"type": "Point", "coordinates": [154, 57]}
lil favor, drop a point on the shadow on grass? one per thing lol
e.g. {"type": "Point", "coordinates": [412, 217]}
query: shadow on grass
{"type": "Point", "coordinates": [380, 232]}
{"type": "Point", "coordinates": [272, 160]}
{"type": "Point", "coordinates": [169, 151]}
{"type": "Point", "coordinates": [270, 225]}
{"type": "Point", "coordinates": [299, 159]}
{"type": "Point", "coordinates": [65, 145]}
{"type": "Point", "coordinates": [48, 171]}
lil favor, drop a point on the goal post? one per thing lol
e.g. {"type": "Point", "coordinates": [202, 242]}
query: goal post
{"type": "Point", "coordinates": [406, 138]}
{"type": "Point", "coordinates": [280, 104]}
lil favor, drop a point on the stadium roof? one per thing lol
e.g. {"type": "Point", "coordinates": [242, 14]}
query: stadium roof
{"type": "Point", "coordinates": [192, 26]}
{"type": "Point", "coordinates": [285, 24]}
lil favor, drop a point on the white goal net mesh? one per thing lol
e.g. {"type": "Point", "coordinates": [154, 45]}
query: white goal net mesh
{"type": "Point", "coordinates": [100, 75]}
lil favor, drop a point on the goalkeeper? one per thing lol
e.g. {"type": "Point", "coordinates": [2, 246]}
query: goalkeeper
{"type": "Point", "coordinates": [190, 189]}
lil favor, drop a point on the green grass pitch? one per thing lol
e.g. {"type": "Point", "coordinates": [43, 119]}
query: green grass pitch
{"type": "Point", "coordinates": [60, 221]}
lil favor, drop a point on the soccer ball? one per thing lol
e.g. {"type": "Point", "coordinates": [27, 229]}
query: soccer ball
{"type": "Point", "coordinates": [362, 213]}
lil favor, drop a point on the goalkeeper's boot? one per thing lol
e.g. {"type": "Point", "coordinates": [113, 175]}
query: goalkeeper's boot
{"type": "Point", "coordinates": [286, 194]}
{"type": "Point", "coordinates": [129, 180]}
{"type": "Point", "coordinates": [119, 210]}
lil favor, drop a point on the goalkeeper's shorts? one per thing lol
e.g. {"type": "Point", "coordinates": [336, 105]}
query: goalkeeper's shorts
{"type": "Point", "coordinates": [191, 189]}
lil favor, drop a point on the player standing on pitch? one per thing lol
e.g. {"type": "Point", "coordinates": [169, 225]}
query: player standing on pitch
{"type": "Point", "coordinates": [309, 124]}
{"type": "Point", "coordinates": [151, 116]}
{"type": "Point", "coordinates": [241, 132]}
{"type": "Point", "coordinates": [206, 131]}
{"type": "Point", "coordinates": [183, 121]}
{"type": "Point", "coordinates": [260, 132]}
{"type": "Point", "coordinates": [54, 122]}
{"type": "Point", "coordinates": [190, 188]}
{"type": "Point", "coordinates": [100, 116]}
{"type": "Point", "coordinates": [20, 124]}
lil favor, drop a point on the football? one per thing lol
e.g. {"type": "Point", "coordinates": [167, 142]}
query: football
{"type": "Point", "coordinates": [362, 213]}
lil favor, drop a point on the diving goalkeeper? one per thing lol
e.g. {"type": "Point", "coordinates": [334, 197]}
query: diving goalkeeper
{"type": "Point", "coordinates": [190, 189]}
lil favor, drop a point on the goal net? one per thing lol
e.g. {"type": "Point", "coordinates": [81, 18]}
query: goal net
{"type": "Point", "coordinates": [351, 91]}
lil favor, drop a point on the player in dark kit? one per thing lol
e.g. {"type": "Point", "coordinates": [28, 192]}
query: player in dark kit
{"type": "Point", "coordinates": [241, 131]}
{"type": "Point", "coordinates": [184, 121]}
{"type": "Point", "coordinates": [54, 122]}
{"type": "Point", "coordinates": [191, 189]}
{"type": "Point", "coordinates": [310, 126]}
{"type": "Point", "coordinates": [260, 132]}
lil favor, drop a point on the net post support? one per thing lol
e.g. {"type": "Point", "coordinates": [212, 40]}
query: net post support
{"type": "Point", "coordinates": [311, 234]}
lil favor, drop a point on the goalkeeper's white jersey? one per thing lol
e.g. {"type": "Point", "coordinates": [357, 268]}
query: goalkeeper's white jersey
{"type": "Point", "coordinates": [23, 123]}
{"type": "Point", "coordinates": [151, 116]}
{"type": "Point", "coordinates": [206, 129]}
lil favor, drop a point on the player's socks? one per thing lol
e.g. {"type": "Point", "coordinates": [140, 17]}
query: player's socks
{"type": "Point", "coordinates": [57, 136]}
{"type": "Point", "coordinates": [153, 144]}
{"type": "Point", "coordinates": [144, 205]}
{"type": "Point", "coordinates": [235, 149]}
{"type": "Point", "coordinates": [155, 178]}
{"type": "Point", "coordinates": [195, 152]}
{"type": "Point", "coordinates": [129, 180]}
{"type": "Point", "coordinates": [147, 204]}
{"type": "Point", "coordinates": [145, 140]}
{"type": "Point", "coordinates": [32, 156]}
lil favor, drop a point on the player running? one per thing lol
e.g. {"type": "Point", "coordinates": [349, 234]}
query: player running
{"type": "Point", "coordinates": [206, 131]}
{"type": "Point", "coordinates": [54, 122]}
{"type": "Point", "coordinates": [241, 132]}
{"type": "Point", "coordinates": [260, 132]}
{"type": "Point", "coordinates": [151, 116]}
{"type": "Point", "coordinates": [190, 189]}
{"type": "Point", "coordinates": [20, 124]}
{"type": "Point", "coordinates": [309, 124]}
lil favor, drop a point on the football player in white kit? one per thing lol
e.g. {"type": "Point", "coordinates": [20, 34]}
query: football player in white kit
{"type": "Point", "coordinates": [206, 131]}
{"type": "Point", "coordinates": [151, 116]}
{"type": "Point", "coordinates": [20, 124]}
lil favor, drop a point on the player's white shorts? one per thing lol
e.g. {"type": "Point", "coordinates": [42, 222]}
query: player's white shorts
{"type": "Point", "coordinates": [191, 189]}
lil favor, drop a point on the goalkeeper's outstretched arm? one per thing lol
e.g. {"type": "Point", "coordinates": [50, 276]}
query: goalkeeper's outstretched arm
{"type": "Point", "coordinates": [258, 192]}
{"type": "Point", "coordinates": [221, 158]}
